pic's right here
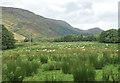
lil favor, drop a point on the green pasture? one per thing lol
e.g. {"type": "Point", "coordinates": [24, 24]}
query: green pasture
{"type": "Point", "coordinates": [65, 61]}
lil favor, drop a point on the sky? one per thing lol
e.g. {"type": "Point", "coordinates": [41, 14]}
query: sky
{"type": "Point", "coordinates": [82, 14]}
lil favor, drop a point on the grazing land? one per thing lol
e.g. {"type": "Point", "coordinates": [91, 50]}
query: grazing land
{"type": "Point", "coordinates": [63, 61]}
{"type": "Point", "coordinates": [37, 48]}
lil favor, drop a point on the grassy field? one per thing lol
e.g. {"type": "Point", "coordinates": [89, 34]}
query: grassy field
{"type": "Point", "coordinates": [65, 61]}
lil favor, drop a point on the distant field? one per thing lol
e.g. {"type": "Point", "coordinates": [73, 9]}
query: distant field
{"type": "Point", "coordinates": [65, 61]}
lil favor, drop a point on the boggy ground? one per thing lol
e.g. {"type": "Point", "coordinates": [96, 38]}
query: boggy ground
{"type": "Point", "coordinates": [63, 61]}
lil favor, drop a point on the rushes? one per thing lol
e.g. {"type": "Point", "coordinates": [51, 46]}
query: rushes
{"type": "Point", "coordinates": [84, 73]}
{"type": "Point", "coordinates": [51, 66]}
{"type": "Point", "coordinates": [44, 58]}
{"type": "Point", "coordinates": [19, 69]}
{"type": "Point", "coordinates": [69, 58]}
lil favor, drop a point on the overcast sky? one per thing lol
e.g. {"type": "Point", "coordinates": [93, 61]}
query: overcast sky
{"type": "Point", "coordinates": [83, 14]}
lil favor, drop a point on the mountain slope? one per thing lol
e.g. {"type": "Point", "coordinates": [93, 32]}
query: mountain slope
{"type": "Point", "coordinates": [22, 22]}
{"type": "Point", "coordinates": [91, 31]}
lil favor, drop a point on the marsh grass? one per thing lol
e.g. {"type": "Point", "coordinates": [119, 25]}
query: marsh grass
{"type": "Point", "coordinates": [68, 57]}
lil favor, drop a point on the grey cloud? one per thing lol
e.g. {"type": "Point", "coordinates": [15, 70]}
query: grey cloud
{"type": "Point", "coordinates": [109, 16]}
{"type": "Point", "coordinates": [74, 6]}
{"type": "Point", "coordinates": [71, 7]}
{"type": "Point", "coordinates": [87, 5]}
{"type": "Point", "coordinates": [77, 13]}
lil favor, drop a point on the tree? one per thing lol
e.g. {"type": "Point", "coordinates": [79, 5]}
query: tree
{"type": "Point", "coordinates": [68, 38]}
{"type": "Point", "coordinates": [79, 37]}
{"type": "Point", "coordinates": [75, 38]}
{"type": "Point", "coordinates": [8, 40]}
{"type": "Point", "coordinates": [109, 36]}
{"type": "Point", "coordinates": [91, 38]}
{"type": "Point", "coordinates": [118, 35]}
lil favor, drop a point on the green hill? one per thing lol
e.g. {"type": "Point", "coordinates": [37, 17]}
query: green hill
{"type": "Point", "coordinates": [91, 31]}
{"type": "Point", "coordinates": [21, 22]}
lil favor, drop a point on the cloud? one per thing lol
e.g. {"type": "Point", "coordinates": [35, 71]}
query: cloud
{"type": "Point", "coordinates": [83, 14]}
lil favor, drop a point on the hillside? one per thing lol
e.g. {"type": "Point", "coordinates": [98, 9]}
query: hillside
{"type": "Point", "coordinates": [21, 22]}
{"type": "Point", "coordinates": [91, 31]}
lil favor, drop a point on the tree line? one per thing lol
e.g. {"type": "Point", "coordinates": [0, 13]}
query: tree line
{"type": "Point", "coordinates": [109, 36]}
{"type": "Point", "coordinates": [75, 38]}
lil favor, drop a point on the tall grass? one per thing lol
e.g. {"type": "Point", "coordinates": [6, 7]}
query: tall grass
{"type": "Point", "coordinates": [78, 59]}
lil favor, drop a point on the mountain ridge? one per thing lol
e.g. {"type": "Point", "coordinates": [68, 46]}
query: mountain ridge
{"type": "Point", "coordinates": [20, 21]}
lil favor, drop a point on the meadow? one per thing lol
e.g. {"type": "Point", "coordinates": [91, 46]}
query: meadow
{"type": "Point", "coordinates": [61, 61]}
